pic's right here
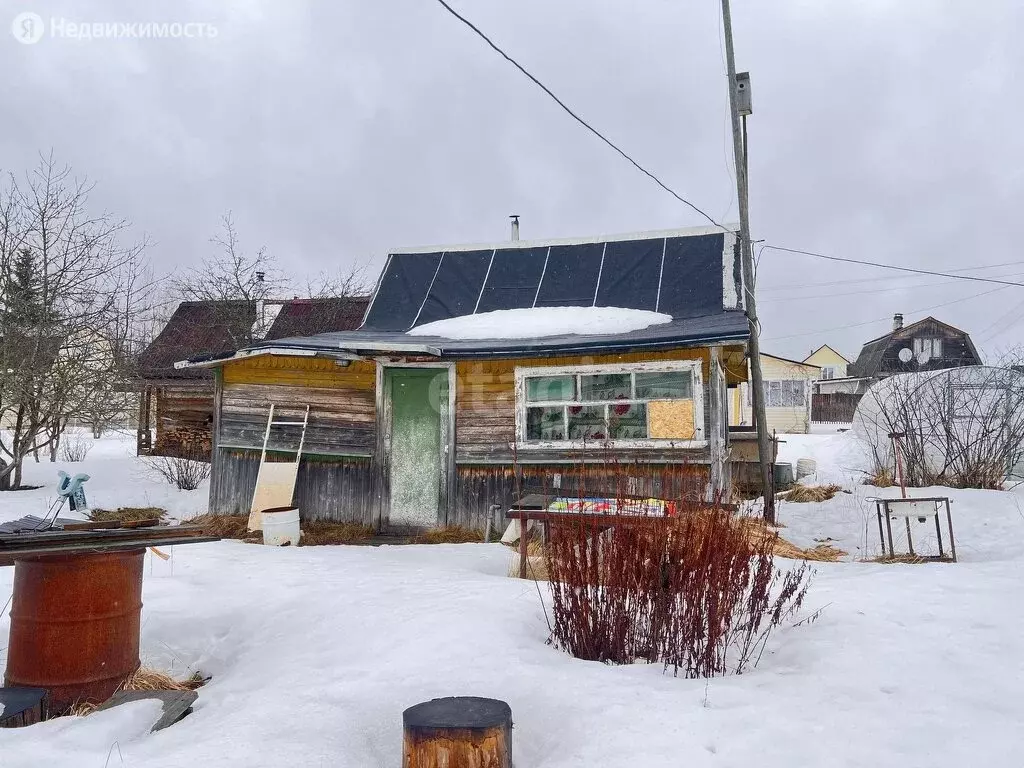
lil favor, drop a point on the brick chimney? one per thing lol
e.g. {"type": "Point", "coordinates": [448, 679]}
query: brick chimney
{"type": "Point", "coordinates": [897, 322]}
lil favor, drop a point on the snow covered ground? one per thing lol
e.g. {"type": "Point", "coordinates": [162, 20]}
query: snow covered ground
{"type": "Point", "coordinates": [316, 651]}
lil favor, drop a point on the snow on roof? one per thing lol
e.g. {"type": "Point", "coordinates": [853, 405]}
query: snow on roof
{"type": "Point", "coordinates": [539, 322]}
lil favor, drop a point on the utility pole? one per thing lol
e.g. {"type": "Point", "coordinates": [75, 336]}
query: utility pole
{"type": "Point", "coordinates": [739, 146]}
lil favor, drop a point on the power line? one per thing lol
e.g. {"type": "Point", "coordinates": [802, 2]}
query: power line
{"type": "Point", "coordinates": [881, 319]}
{"type": "Point", "coordinates": [575, 116]}
{"type": "Point", "coordinates": [984, 336]}
{"type": "Point", "coordinates": [891, 266]}
{"type": "Point", "coordinates": [816, 296]}
{"type": "Point", "coordinates": [829, 283]}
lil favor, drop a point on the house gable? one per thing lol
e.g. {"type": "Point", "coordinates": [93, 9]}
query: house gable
{"type": "Point", "coordinates": [926, 345]}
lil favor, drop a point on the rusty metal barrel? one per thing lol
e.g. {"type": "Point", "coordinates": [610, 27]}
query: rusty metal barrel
{"type": "Point", "coordinates": [75, 623]}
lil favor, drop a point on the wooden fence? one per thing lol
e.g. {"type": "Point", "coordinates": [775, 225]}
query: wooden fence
{"type": "Point", "coordinates": [834, 408]}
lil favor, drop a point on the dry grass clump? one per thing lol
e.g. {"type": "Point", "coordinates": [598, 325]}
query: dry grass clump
{"type": "Point", "coordinates": [758, 531]}
{"type": "Point", "coordinates": [806, 493]}
{"type": "Point", "coordinates": [227, 527]}
{"type": "Point", "coordinates": [127, 514]}
{"type": "Point", "coordinates": [323, 532]}
{"type": "Point", "coordinates": [449, 534]}
{"type": "Point", "coordinates": [907, 559]}
{"type": "Point", "coordinates": [883, 478]}
{"type": "Point", "coordinates": [314, 532]}
{"type": "Point", "coordinates": [144, 679]}
{"type": "Point", "coordinates": [536, 561]}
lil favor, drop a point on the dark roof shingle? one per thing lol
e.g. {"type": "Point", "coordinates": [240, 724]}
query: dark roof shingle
{"type": "Point", "coordinates": [308, 317]}
{"type": "Point", "coordinates": [197, 328]}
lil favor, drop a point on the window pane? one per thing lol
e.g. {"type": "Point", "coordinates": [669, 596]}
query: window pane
{"type": "Point", "coordinates": [545, 423]}
{"type": "Point", "coordinates": [936, 347]}
{"type": "Point", "coordinates": [627, 421]}
{"type": "Point", "coordinates": [586, 422]}
{"type": "Point", "coordinates": [550, 388]}
{"type": "Point", "coordinates": [669, 385]}
{"type": "Point", "coordinates": [605, 386]}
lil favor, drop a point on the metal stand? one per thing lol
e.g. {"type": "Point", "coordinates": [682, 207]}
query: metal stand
{"type": "Point", "coordinates": [888, 509]}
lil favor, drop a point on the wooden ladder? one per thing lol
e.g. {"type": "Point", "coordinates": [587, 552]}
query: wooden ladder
{"type": "Point", "coordinates": [275, 481]}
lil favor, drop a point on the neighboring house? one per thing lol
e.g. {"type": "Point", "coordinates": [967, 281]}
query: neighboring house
{"type": "Point", "coordinates": [788, 385]}
{"type": "Point", "coordinates": [926, 345]}
{"type": "Point", "coordinates": [414, 431]}
{"type": "Point", "coordinates": [176, 409]}
{"type": "Point", "coordinates": [833, 365]}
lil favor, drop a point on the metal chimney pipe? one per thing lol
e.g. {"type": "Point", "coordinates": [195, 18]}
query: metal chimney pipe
{"type": "Point", "coordinates": [515, 226]}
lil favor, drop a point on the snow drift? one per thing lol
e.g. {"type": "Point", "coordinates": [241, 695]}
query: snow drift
{"type": "Point", "coordinates": [538, 322]}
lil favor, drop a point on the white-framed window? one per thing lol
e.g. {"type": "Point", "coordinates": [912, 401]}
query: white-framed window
{"type": "Point", "coordinates": [931, 348]}
{"type": "Point", "coordinates": [620, 405]}
{"type": "Point", "coordinates": [828, 372]}
{"type": "Point", "coordinates": [785, 393]}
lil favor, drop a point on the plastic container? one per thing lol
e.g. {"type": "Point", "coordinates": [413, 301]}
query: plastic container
{"type": "Point", "coordinates": [281, 526]}
{"type": "Point", "coordinates": [805, 467]}
{"type": "Point", "coordinates": [783, 476]}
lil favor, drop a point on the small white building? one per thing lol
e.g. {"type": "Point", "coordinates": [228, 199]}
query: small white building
{"type": "Point", "coordinates": [788, 386]}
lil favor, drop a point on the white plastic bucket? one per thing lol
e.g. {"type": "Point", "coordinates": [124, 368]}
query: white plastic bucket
{"type": "Point", "coordinates": [805, 467]}
{"type": "Point", "coordinates": [281, 526]}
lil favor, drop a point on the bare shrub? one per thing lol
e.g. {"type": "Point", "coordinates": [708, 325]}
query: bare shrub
{"type": "Point", "coordinates": [185, 474]}
{"type": "Point", "coordinates": [694, 592]}
{"type": "Point", "coordinates": [961, 427]}
{"type": "Point", "coordinates": [74, 449]}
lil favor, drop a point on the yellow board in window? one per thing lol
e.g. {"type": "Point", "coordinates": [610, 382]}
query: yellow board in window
{"type": "Point", "coordinates": [670, 419]}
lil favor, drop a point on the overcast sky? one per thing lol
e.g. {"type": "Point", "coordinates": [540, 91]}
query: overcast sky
{"type": "Point", "coordinates": [336, 130]}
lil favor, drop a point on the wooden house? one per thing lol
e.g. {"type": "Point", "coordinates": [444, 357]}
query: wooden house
{"type": "Point", "coordinates": [832, 364]}
{"type": "Point", "coordinates": [788, 385]}
{"type": "Point", "coordinates": [176, 407]}
{"type": "Point", "coordinates": [415, 422]}
{"type": "Point", "coordinates": [927, 345]}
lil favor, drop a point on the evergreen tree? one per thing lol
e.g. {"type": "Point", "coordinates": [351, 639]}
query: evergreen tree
{"type": "Point", "coordinates": [22, 311]}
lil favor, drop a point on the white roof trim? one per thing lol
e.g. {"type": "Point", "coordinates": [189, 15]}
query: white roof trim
{"type": "Point", "coordinates": [246, 353]}
{"type": "Point", "coordinates": [507, 244]}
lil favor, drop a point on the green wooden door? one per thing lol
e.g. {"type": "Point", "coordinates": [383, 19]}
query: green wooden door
{"type": "Point", "coordinates": [419, 399]}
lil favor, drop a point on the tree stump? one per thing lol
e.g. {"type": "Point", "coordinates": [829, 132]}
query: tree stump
{"type": "Point", "coordinates": [458, 732]}
{"type": "Point", "coordinates": [22, 706]}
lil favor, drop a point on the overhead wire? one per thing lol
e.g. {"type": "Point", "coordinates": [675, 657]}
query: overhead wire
{"type": "Point", "coordinates": [882, 319]}
{"type": "Point", "coordinates": [916, 271]}
{"type": "Point", "coordinates": [984, 335]}
{"type": "Point", "coordinates": [575, 116]}
{"type": "Point", "coordinates": [617, 149]}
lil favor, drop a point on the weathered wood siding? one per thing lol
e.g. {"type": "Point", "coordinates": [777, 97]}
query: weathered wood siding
{"type": "Point", "coordinates": [184, 419]}
{"type": "Point", "coordinates": [342, 401]}
{"type": "Point", "coordinates": [334, 488]}
{"type": "Point", "coordinates": [485, 405]}
{"type": "Point", "coordinates": [336, 477]}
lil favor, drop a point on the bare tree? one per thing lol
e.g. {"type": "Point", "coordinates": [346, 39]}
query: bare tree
{"type": "Point", "coordinates": [232, 276]}
{"type": "Point", "coordinates": [63, 284]}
